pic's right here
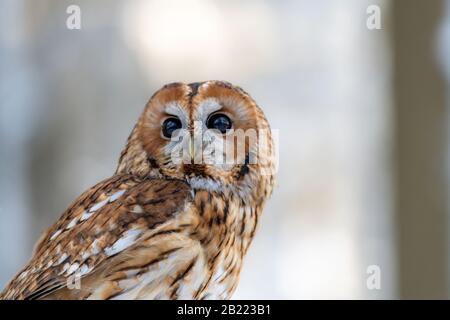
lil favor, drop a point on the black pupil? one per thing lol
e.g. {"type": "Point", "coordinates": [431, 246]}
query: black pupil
{"type": "Point", "coordinates": [169, 126]}
{"type": "Point", "coordinates": [220, 122]}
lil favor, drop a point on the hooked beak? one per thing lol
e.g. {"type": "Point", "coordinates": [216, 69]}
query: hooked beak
{"type": "Point", "coordinates": [191, 150]}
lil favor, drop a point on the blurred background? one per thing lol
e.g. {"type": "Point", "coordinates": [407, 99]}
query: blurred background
{"type": "Point", "coordinates": [361, 113]}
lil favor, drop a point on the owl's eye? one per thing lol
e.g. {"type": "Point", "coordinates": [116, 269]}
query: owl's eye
{"type": "Point", "coordinates": [220, 122]}
{"type": "Point", "coordinates": [169, 126]}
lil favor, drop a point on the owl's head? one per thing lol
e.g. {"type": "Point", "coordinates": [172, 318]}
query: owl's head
{"type": "Point", "coordinates": [211, 134]}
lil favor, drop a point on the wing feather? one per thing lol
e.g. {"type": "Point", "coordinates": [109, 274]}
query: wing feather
{"type": "Point", "coordinates": [101, 223]}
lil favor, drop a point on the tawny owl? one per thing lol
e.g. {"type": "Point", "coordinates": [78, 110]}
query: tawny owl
{"type": "Point", "coordinates": [177, 217]}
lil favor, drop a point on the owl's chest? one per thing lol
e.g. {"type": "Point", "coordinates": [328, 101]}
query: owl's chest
{"type": "Point", "coordinates": [224, 229]}
{"type": "Point", "coordinates": [188, 274]}
{"type": "Point", "coordinates": [206, 253]}
{"type": "Point", "coordinates": [222, 274]}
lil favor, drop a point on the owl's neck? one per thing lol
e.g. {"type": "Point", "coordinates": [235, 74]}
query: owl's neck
{"type": "Point", "coordinates": [231, 210]}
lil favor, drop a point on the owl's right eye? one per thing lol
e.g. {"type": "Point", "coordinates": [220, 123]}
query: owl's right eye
{"type": "Point", "coordinates": [169, 126]}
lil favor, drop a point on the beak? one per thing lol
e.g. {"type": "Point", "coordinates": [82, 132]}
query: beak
{"type": "Point", "coordinates": [191, 150]}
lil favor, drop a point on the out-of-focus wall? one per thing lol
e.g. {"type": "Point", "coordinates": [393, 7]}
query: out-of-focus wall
{"type": "Point", "coordinates": [69, 99]}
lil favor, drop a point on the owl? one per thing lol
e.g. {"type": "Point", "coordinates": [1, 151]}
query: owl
{"type": "Point", "coordinates": [177, 218]}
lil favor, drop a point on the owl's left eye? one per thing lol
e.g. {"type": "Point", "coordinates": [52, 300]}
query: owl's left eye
{"type": "Point", "coordinates": [169, 126]}
{"type": "Point", "coordinates": [219, 122]}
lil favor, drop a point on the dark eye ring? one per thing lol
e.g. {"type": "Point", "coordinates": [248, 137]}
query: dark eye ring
{"type": "Point", "coordinates": [220, 122]}
{"type": "Point", "coordinates": [170, 125]}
